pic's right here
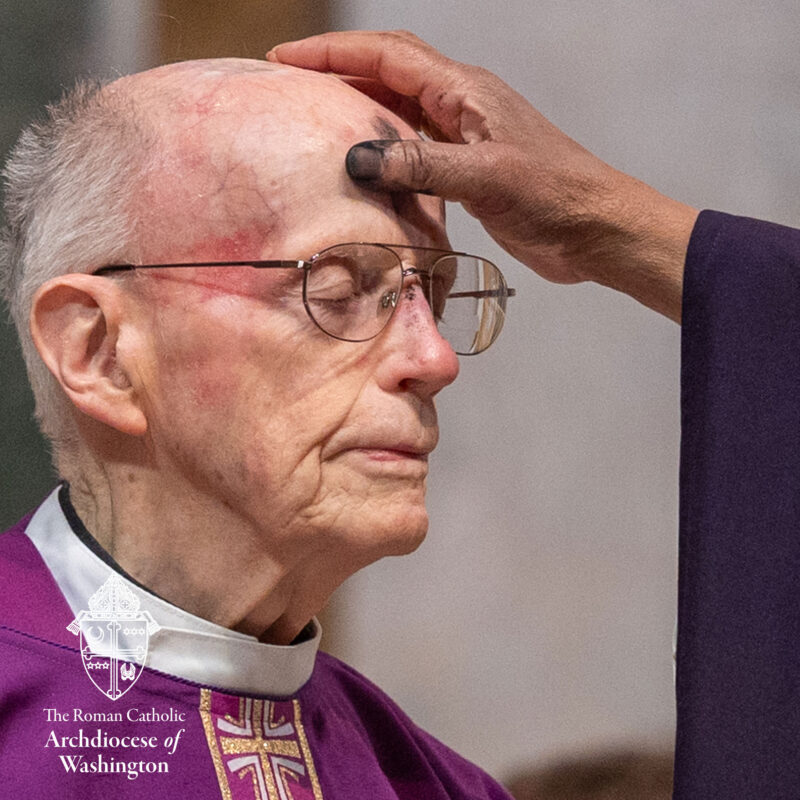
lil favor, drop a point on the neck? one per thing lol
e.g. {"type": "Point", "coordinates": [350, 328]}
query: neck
{"type": "Point", "coordinates": [201, 555]}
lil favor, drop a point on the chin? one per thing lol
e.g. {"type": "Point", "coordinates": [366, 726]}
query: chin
{"type": "Point", "coordinates": [394, 531]}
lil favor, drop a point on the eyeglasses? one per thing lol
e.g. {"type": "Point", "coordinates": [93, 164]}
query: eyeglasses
{"type": "Point", "coordinates": [350, 291]}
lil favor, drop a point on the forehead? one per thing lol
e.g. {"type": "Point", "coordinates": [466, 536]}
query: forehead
{"type": "Point", "coordinates": [250, 162]}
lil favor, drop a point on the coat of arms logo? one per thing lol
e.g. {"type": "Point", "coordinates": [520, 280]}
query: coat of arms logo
{"type": "Point", "coordinates": [114, 635]}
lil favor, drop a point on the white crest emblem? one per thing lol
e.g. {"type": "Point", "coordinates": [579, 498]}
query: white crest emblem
{"type": "Point", "coordinates": [114, 635]}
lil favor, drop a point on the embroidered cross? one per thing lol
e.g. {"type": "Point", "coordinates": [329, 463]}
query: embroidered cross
{"type": "Point", "coordinates": [264, 741]}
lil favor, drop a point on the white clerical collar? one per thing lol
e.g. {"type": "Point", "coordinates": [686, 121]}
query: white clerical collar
{"type": "Point", "coordinates": [184, 645]}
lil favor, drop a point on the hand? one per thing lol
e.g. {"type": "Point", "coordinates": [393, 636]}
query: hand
{"type": "Point", "coordinates": [544, 198]}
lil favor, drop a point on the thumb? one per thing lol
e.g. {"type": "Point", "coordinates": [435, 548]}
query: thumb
{"type": "Point", "coordinates": [456, 172]}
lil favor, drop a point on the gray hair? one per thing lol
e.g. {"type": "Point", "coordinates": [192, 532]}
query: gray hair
{"type": "Point", "coordinates": [70, 187]}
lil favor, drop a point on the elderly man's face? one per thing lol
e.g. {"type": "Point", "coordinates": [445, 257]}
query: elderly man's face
{"type": "Point", "coordinates": [248, 403]}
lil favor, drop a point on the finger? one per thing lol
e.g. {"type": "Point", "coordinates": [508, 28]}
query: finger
{"type": "Point", "coordinates": [454, 172]}
{"type": "Point", "coordinates": [399, 60]}
{"type": "Point", "coordinates": [407, 108]}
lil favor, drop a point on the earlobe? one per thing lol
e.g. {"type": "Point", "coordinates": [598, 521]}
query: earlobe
{"type": "Point", "coordinates": [75, 324]}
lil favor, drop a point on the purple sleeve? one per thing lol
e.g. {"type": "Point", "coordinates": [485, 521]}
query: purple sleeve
{"type": "Point", "coordinates": [738, 668]}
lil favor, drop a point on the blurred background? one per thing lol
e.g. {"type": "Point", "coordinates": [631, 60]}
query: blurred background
{"type": "Point", "coordinates": [537, 619]}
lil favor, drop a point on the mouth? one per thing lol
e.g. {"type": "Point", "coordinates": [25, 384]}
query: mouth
{"type": "Point", "coordinates": [380, 453]}
{"type": "Point", "coordinates": [385, 458]}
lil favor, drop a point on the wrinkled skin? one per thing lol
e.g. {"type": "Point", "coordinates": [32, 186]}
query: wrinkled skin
{"type": "Point", "coordinates": [546, 200]}
{"type": "Point", "coordinates": [276, 461]}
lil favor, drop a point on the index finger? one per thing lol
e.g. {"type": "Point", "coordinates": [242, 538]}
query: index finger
{"type": "Point", "coordinates": [399, 60]}
{"type": "Point", "coordinates": [407, 108]}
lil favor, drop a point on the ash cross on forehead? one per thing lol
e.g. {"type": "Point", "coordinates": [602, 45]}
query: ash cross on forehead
{"type": "Point", "coordinates": [389, 133]}
{"type": "Point", "coordinates": [385, 129]}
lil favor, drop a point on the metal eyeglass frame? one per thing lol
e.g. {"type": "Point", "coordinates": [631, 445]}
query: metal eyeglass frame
{"type": "Point", "coordinates": [306, 264]}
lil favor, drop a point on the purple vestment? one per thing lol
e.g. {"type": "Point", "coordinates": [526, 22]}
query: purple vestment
{"type": "Point", "coordinates": [339, 736]}
{"type": "Point", "coordinates": [738, 667]}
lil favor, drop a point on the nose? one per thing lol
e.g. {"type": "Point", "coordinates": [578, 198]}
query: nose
{"type": "Point", "coordinates": [415, 356]}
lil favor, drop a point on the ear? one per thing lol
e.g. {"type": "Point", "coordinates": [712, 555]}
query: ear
{"type": "Point", "coordinates": [75, 323]}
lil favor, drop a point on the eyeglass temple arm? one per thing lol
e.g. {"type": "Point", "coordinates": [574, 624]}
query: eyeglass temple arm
{"type": "Point", "coordinates": [485, 293]}
{"type": "Point", "coordinates": [186, 265]}
{"type": "Point", "coordinates": [477, 293]}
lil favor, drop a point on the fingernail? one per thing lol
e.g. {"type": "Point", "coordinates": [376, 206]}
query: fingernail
{"type": "Point", "coordinates": [364, 161]}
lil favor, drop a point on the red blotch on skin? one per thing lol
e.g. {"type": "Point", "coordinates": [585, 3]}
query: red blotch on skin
{"type": "Point", "coordinates": [211, 282]}
{"type": "Point", "coordinates": [241, 245]}
{"type": "Point", "coordinates": [206, 104]}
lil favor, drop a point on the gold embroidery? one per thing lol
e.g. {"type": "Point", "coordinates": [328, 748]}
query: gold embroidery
{"type": "Point", "coordinates": [309, 761]}
{"type": "Point", "coordinates": [237, 746]}
{"type": "Point", "coordinates": [271, 722]}
{"type": "Point", "coordinates": [211, 738]}
{"type": "Point", "coordinates": [285, 775]}
{"type": "Point", "coordinates": [242, 720]}
{"type": "Point", "coordinates": [271, 749]}
{"type": "Point", "coordinates": [251, 771]}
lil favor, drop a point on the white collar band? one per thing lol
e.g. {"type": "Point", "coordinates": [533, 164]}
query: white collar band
{"type": "Point", "coordinates": [184, 645]}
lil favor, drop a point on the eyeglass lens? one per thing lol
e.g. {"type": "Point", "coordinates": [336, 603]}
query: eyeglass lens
{"type": "Point", "coordinates": [351, 292]}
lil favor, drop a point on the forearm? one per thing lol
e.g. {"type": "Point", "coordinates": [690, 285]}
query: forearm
{"type": "Point", "coordinates": [640, 245]}
{"type": "Point", "coordinates": [545, 199]}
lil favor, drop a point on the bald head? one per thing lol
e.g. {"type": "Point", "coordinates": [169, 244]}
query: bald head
{"type": "Point", "coordinates": [217, 160]}
{"type": "Point", "coordinates": [248, 155]}
{"type": "Point", "coordinates": [232, 425]}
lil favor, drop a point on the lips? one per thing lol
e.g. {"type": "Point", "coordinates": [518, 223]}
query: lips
{"type": "Point", "coordinates": [389, 449]}
{"type": "Point", "coordinates": [381, 453]}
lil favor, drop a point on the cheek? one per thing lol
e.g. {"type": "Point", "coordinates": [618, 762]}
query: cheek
{"type": "Point", "coordinates": [260, 383]}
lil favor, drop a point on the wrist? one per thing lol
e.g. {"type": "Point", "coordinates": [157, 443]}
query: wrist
{"type": "Point", "coordinates": [640, 245]}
